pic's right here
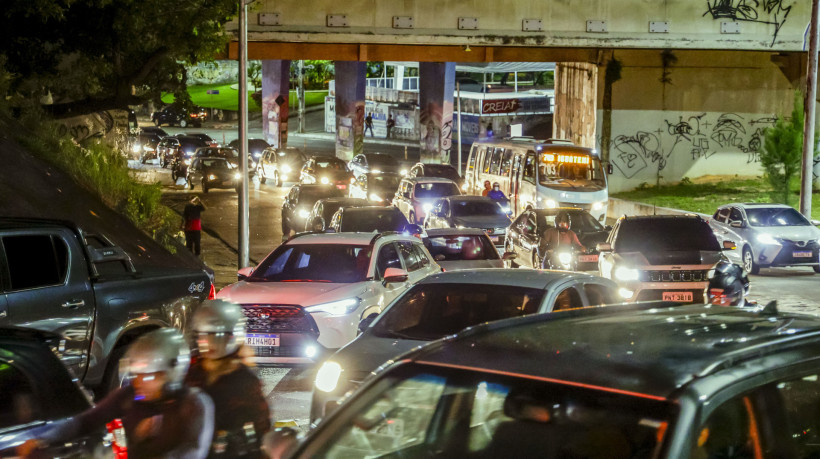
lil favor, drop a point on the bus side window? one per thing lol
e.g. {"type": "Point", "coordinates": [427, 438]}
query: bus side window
{"type": "Point", "coordinates": [529, 167]}
{"type": "Point", "coordinates": [488, 155]}
{"type": "Point", "coordinates": [471, 161]}
{"type": "Point", "coordinates": [506, 162]}
{"type": "Point", "coordinates": [496, 163]}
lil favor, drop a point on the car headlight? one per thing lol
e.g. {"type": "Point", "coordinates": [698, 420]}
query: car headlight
{"type": "Point", "coordinates": [324, 180]}
{"type": "Point", "coordinates": [211, 177]}
{"type": "Point", "coordinates": [286, 169]}
{"type": "Point", "coordinates": [551, 203]}
{"type": "Point", "coordinates": [597, 205]}
{"type": "Point", "coordinates": [427, 207]}
{"type": "Point", "coordinates": [237, 176]}
{"type": "Point", "coordinates": [375, 197]}
{"type": "Point", "coordinates": [765, 238]}
{"type": "Point", "coordinates": [336, 308]}
{"type": "Point", "coordinates": [564, 258]}
{"type": "Point", "coordinates": [136, 148]}
{"type": "Point", "coordinates": [625, 293]}
{"type": "Point", "coordinates": [327, 378]}
{"type": "Point", "coordinates": [403, 172]}
{"type": "Point", "coordinates": [626, 274]}
{"type": "Point", "coordinates": [187, 162]}
{"type": "Point", "coordinates": [303, 213]}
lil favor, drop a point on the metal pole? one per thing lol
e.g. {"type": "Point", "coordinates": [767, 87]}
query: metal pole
{"type": "Point", "coordinates": [458, 107]}
{"type": "Point", "coordinates": [301, 95]}
{"type": "Point", "coordinates": [516, 81]}
{"type": "Point", "coordinates": [244, 233]}
{"type": "Point", "coordinates": [809, 103]}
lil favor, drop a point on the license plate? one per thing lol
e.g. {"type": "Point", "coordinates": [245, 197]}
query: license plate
{"type": "Point", "coordinates": [262, 340]}
{"type": "Point", "coordinates": [588, 258]}
{"type": "Point", "coordinates": [494, 238]}
{"type": "Point", "coordinates": [677, 296]}
{"type": "Point", "coordinates": [802, 254]}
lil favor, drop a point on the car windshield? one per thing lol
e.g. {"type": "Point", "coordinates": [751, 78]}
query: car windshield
{"type": "Point", "coordinates": [419, 410]}
{"type": "Point", "coordinates": [580, 222]}
{"type": "Point", "coordinates": [331, 164]}
{"type": "Point", "coordinates": [289, 156]}
{"type": "Point", "coordinates": [382, 160]}
{"type": "Point", "coordinates": [334, 263]}
{"type": "Point", "coordinates": [472, 208]}
{"type": "Point", "coordinates": [431, 311]}
{"type": "Point", "coordinates": [665, 235]}
{"type": "Point", "coordinates": [215, 164]}
{"type": "Point", "coordinates": [435, 190]}
{"type": "Point", "coordinates": [441, 171]}
{"type": "Point", "coordinates": [390, 182]}
{"type": "Point", "coordinates": [575, 171]}
{"type": "Point", "coordinates": [775, 216]}
{"type": "Point", "coordinates": [375, 220]}
{"type": "Point", "coordinates": [309, 196]}
{"type": "Point", "coordinates": [457, 248]}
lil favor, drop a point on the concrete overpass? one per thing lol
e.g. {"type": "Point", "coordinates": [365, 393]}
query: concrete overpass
{"type": "Point", "coordinates": [699, 79]}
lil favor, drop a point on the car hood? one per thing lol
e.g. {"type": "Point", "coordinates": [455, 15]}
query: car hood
{"type": "Point", "coordinates": [367, 352]}
{"type": "Point", "coordinates": [678, 258]}
{"type": "Point", "coordinates": [457, 265]}
{"type": "Point", "coordinates": [482, 221]}
{"type": "Point", "coordinates": [792, 233]}
{"type": "Point", "coordinates": [298, 293]}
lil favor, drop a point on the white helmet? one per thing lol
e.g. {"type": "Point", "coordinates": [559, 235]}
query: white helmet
{"type": "Point", "coordinates": [162, 350]}
{"type": "Point", "coordinates": [220, 328]}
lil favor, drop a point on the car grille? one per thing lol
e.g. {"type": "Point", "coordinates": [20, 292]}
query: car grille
{"type": "Point", "coordinates": [279, 351]}
{"type": "Point", "coordinates": [786, 255]}
{"type": "Point", "coordinates": [697, 275]}
{"type": "Point", "coordinates": [657, 295]}
{"type": "Point", "coordinates": [278, 318]}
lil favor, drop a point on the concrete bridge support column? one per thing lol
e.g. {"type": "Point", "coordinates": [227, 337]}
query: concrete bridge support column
{"type": "Point", "coordinates": [436, 86]}
{"type": "Point", "coordinates": [575, 104]}
{"type": "Point", "coordinates": [275, 91]}
{"type": "Point", "coordinates": [350, 83]}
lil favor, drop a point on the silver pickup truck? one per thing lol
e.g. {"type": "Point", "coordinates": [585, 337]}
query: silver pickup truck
{"type": "Point", "coordinates": [58, 278]}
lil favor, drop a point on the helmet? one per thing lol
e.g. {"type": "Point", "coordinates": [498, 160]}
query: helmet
{"type": "Point", "coordinates": [496, 185]}
{"type": "Point", "coordinates": [728, 284]}
{"type": "Point", "coordinates": [563, 218]}
{"type": "Point", "coordinates": [220, 328]}
{"type": "Point", "coordinates": [162, 350]}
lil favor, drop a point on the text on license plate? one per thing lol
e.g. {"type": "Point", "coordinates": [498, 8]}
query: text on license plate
{"type": "Point", "coordinates": [588, 258]}
{"type": "Point", "coordinates": [802, 254]}
{"type": "Point", "coordinates": [261, 339]}
{"type": "Point", "coordinates": [677, 296]}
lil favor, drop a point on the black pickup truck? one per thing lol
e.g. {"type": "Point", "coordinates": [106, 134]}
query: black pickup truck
{"type": "Point", "coordinates": [58, 278]}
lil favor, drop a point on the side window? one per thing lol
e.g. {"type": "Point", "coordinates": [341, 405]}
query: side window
{"type": "Point", "coordinates": [532, 226]}
{"type": "Point", "coordinates": [599, 295]}
{"type": "Point", "coordinates": [506, 163]}
{"type": "Point", "coordinates": [388, 258]}
{"type": "Point", "coordinates": [20, 406]}
{"type": "Point", "coordinates": [421, 254]}
{"type": "Point", "coordinates": [722, 215]}
{"type": "Point", "coordinates": [529, 167]}
{"type": "Point", "coordinates": [471, 160]}
{"type": "Point", "coordinates": [411, 259]}
{"type": "Point", "coordinates": [567, 299]}
{"type": "Point", "coordinates": [735, 215]}
{"type": "Point", "coordinates": [445, 208]}
{"type": "Point", "coordinates": [495, 165]}
{"type": "Point", "coordinates": [36, 261]}
{"type": "Point", "coordinates": [488, 155]}
{"type": "Point", "coordinates": [729, 432]}
{"type": "Point", "coordinates": [800, 399]}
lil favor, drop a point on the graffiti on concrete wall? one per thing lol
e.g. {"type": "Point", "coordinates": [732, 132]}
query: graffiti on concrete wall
{"type": "Point", "coordinates": [771, 12]}
{"type": "Point", "coordinates": [688, 138]}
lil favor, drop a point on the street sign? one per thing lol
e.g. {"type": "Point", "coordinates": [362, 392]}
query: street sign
{"type": "Point", "coordinates": [212, 91]}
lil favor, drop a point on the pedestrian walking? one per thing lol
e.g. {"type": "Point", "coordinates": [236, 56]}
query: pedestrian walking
{"type": "Point", "coordinates": [368, 124]}
{"type": "Point", "coordinates": [192, 225]}
{"type": "Point", "coordinates": [241, 413]}
{"type": "Point", "coordinates": [390, 123]}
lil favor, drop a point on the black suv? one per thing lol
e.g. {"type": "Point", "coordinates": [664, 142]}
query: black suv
{"type": "Point", "coordinates": [299, 202]}
{"type": "Point", "coordinates": [631, 381]}
{"type": "Point", "coordinates": [174, 115]}
{"type": "Point", "coordinates": [661, 257]}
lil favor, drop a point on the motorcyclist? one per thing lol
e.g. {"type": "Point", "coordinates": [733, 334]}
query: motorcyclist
{"type": "Point", "coordinates": [162, 417]}
{"type": "Point", "coordinates": [728, 285]}
{"type": "Point", "coordinates": [558, 236]}
{"type": "Point", "coordinates": [242, 416]}
{"type": "Point", "coordinates": [496, 194]}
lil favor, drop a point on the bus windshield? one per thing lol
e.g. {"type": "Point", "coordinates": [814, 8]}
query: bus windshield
{"type": "Point", "coordinates": [576, 171]}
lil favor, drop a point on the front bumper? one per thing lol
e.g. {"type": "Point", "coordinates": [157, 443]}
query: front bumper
{"type": "Point", "coordinates": [295, 328]}
{"type": "Point", "coordinates": [654, 291]}
{"type": "Point", "coordinates": [775, 255]}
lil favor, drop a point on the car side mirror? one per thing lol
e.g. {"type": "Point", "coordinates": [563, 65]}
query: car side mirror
{"type": "Point", "coordinates": [364, 323]}
{"type": "Point", "coordinates": [509, 256]}
{"type": "Point", "coordinates": [736, 224]}
{"type": "Point", "coordinates": [729, 245]}
{"type": "Point", "coordinates": [603, 247]}
{"type": "Point", "coordinates": [393, 275]}
{"type": "Point", "coordinates": [245, 272]}
{"type": "Point", "coordinates": [609, 169]}
{"type": "Point", "coordinates": [439, 257]}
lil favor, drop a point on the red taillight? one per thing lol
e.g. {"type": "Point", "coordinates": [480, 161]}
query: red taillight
{"type": "Point", "coordinates": [212, 293]}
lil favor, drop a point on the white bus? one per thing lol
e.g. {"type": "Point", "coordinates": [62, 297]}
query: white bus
{"type": "Point", "coordinates": [539, 174]}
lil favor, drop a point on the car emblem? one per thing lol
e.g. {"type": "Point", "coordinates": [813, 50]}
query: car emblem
{"type": "Point", "coordinates": [264, 315]}
{"type": "Point", "coordinates": [801, 243]}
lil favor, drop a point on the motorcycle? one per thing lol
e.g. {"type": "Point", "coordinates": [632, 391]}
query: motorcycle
{"type": "Point", "coordinates": [564, 258]}
{"type": "Point", "coordinates": [505, 205]}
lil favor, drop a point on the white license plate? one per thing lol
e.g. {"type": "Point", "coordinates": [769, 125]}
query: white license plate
{"type": "Point", "coordinates": [262, 339]}
{"type": "Point", "coordinates": [802, 254]}
{"type": "Point", "coordinates": [588, 258]}
{"type": "Point", "coordinates": [677, 296]}
{"type": "Point", "coordinates": [494, 238]}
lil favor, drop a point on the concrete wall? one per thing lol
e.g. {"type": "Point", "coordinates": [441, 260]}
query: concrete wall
{"type": "Point", "coordinates": [575, 95]}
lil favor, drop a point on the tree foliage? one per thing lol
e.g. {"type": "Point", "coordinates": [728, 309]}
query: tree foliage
{"type": "Point", "coordinates": [99, 54]}
{"type": "Point", "coordinates": [781, 152]}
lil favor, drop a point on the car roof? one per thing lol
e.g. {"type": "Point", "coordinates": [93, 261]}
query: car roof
{"type": "Point", "coordinates": [342, 238]}
{"type": "Point", "coordinates": [523, 277]}
{"type": "Point", "coordinates": [438, 232]}
{"type": "Point", "coordinates": [375, 209]}
{"type": "Point", "coordinates": [468, 198]}
{"type": "Point", "coordinates": [342, 199]}
{"type": "Point", "coordinates": [429, 180]}
{"type": "Point", "coordinates": [640, 218]}
{"type": "Point", "coordinates": [555, 210]}
{"type": "Point", "coordinates": [650, 350]}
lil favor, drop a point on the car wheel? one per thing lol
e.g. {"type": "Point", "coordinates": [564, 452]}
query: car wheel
{"type": "Point", "coordinates": [174, 175]}
{"type": "Point", "coordinates": [749, 261]}
{"type": "Point", "coordinates": [277, 179]}
{"type": "Point", "coordinates": [260, 172]}
{"type": "Point", "coordinates": [189, 183]}
{"type": "Point", "coordinates": [183, 123]}
{"type": "Point", "coordinates": [204, 187]}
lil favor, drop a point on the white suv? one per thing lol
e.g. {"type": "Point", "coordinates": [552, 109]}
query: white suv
{"type": "Point", "coordinates": [416, 196]}
{"type": "Point", "coordinates": [308, 296]}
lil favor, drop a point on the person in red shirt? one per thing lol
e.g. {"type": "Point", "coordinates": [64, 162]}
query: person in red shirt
{"type": "Point", "coordinates": [192, 225]}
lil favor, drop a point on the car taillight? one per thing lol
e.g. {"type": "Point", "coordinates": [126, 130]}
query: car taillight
{"type": "Point", "coordinates": [212, 293]}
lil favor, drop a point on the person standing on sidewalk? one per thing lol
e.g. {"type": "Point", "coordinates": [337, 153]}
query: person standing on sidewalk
{"type": "Point", "coordinates": [368, 124]}
{"type": "Point", "coordinates": [192, 224]}
{"type": "Point", "coordinates": [390, 123]}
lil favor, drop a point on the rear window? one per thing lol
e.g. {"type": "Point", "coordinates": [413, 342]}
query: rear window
{"type": "Point", "coordinates": [456, 248]}
{"type": "Point", "coordinates": [376, 220]}
{"type": "Point", "coordinates": [474, 208]}
{"type": "Point", "coordinates": [435, 190]}
{"type": "Point", "coordinates": [311, 195]}
{"type": "Point", "coordinates": [331, 164]}
{"type": "Point", "coordinates": [381, 160]}
{"type": "Point", "coordinates": [665, 235]}
{"type": "Point", "coordinates": [441, 171]}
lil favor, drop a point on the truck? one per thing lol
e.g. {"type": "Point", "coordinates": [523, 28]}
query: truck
{"type": "Point", "coordinates": [59, 278]}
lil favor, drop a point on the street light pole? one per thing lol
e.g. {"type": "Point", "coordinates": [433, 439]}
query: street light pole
{"type": "Point", "coordinates": [300, 93]}
{"type": "Point", "coordinates": [809, 103]}
{"type": "Point", "coordinates": [458, 109]}
{"type": "Point", "coordinates": [244, 232]}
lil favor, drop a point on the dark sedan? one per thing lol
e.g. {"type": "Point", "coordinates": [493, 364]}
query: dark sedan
{"type": "Point", "coordinates": [174, 115]}
{"type": "Point", "coordinates": [379, 189]}
{"type": "Point", "coordinates": [470, 212]}
{"type": "Point", "coordinates": [299, 202]}
{"type": "Point", "coordinates": [524, 236]}
{"type": "Point", "coordinates": [324, 209]}
{"type": "Point", "coordinates": [436, 170]}
{"type": "Point", "coordinates": [36, 391]}
{"type": "Point", "coordinates": [369, 219]}
{"type": "Point", "coordinates": [326, 170]}
{"type": "Point", "coordinates": [255, 147]}
{"type": "Point", "coordinates": [213, 173]}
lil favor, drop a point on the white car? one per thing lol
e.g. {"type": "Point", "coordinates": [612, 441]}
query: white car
{"type": "Point", "coordinates": [417, 196]}
{"type": "Point", "coordinates": [307, 297]}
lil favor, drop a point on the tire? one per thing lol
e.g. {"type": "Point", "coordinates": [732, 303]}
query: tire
{"type": "Point", "coordinates": [749, 261]}
{"type": "Point", "coordinates": [111, 378]}
{"type": "Point", "coordinates": [204, 187]}
{"type": "Point", "coordinates": [157, 123]}
{"type": "Point", "coordinates": [183, 123]}
{"type": "Point", "coordinates": [277, 180]}
{"type": "Point", "coordinates": [260, 172]}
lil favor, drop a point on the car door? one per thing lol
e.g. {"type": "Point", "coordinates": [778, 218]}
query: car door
{"type": "Point", "coordinates": [528, 242]}
{"type": "Point", "coordinates": [47, 287]}
{"type": "Point", "coordinates": [413, 263]}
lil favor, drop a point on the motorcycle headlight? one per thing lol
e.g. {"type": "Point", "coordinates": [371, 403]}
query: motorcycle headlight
{"type": "Point", "coordinates": [304, 213]}
{"type": "Point", "coordinates": [765, 238]}
{"type": "Point", "coordinates": [327, 378]}
{"type": "Point", "coordinates": [564, 258]}
{"type": "Point", "coordinates": [336, 308]}
{"type": "Point", "coordinates": [375, 197]}
{"type": "Point", "coordinates": [324, 180]}
{"type": "Point", "coordinates": [211, 177]}
{"type": "Point", "coordinates": [286, 169]}
{"type": "Point", "coordinates": [626, 274]}
{"type": "Point", "coordinates": [427, 207]}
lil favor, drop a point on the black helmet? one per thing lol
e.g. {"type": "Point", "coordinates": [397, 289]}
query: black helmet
{"type": "Point", "coordinates": [728, 284]}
